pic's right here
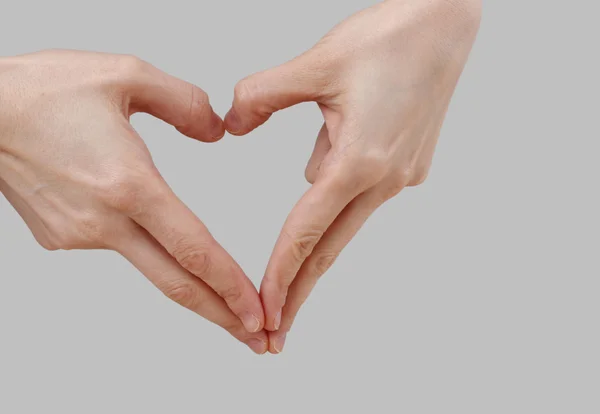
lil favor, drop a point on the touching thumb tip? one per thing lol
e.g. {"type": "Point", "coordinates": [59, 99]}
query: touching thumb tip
{"type": "Point", "coordinates": [216, 126]}
{"type": "Point", "coordinates": [233, 123]}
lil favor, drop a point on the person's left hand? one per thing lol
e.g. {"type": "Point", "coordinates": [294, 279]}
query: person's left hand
{"type": "Point", "coordinates": [383, 80]}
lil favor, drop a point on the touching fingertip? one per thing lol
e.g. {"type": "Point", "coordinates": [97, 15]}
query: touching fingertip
{"type": "Point", "coordinates": [258, 346]}
{"type": "Point", "coordinates": [277, 321]}
{"type": "Point", "coordinates": [279, 343]}
{"type": "Point", "coordinates": [217, 128]}
{"type": "Point", "coordinates": [251, 322]}
{"type": "Point", "coordinates": [233, 123]}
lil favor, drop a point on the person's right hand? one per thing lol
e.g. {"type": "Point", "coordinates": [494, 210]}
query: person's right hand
{"type": "Point", "coordinates": [82, 178]}
{"type": "Point", "coordinates": [383, 80]}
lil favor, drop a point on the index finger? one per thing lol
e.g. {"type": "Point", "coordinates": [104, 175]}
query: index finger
{"type": "Point", "coordinates": [186, 239]}
{"type": "Point", "coordinates": [145, 253]}
{"type": "Point", "coordinates": [303, 229]}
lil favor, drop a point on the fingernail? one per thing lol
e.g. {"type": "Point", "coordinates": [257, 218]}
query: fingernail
{"type": "Point", "coordinates": [251, 322]}
{"type": "Point", "coordinates": [277, 321]}
{"type": "Point", "coordinates": [258, 346]}
{"type": "Point", "coordinates": [232, 119]}
{"type": "Point", "coordinates": [279, 343]}
{"type": "Point", "coordinates": [216, 125]}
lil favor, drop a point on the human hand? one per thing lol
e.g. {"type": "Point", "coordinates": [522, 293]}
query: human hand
{"type": "Point", "coordinates": [81, 177]}
{"type": "Point", "coordinates": [383, 80]}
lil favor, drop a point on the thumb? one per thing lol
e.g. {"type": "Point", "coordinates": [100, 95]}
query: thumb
{"type": "Point", "coordinates": [257, 97]}
{"type": "Point", "coordinates": [179, 103]}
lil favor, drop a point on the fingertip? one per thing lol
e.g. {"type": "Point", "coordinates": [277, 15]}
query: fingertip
{"type": "Point", "coordinates": [251, 322]}
{"type": "Point", "coordinates": [257, 345]}
{"type": "Point", "coordinates": [217, 127]}
{"type": "Point", "coordinates": [277, 321]}
{"type": "Point", "coordinates": [277, 342]}
{"type": "Point", "coordinates": [208, 127]}
{"type": "Point", "coordinates": [271, 303]}
{"type": "Point", "coordinates": [233, 122]}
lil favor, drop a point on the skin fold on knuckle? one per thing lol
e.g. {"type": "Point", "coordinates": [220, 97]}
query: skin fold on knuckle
{"type": "Point", "coordinates": [232, 294]}
{"type": "Point", "coordinates": [194, 258]}
{"type": "Point", "coordinates": [182, 292]}
{"type": "Point", "coordinates": [66, 239]}
{"type": "Point", "coordinates": [302, 243]}
{"type": "Point", "coordinates": [91, 229]}
{"type": "Point", "coordinates": [250, 103]}
{"type": "Point", "coordinates": [244, 94]}
{"type": "Point", "coordinates": [322, 262]}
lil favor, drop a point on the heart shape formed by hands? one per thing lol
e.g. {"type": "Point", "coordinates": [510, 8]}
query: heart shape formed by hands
{"type": "Point", "coordinates": [82, 178]}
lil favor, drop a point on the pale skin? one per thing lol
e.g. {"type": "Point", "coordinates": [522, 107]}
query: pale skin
{"type": "Point", "coordinates": [82, 178]}
{"type": "Point", "coordinates": [383, 80]}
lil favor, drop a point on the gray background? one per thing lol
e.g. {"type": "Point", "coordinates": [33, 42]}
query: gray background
{"type": "Point", "coordinates": [475, 293]}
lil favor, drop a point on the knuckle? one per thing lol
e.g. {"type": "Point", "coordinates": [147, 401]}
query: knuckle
{"type": "Point", "coordinates": [419, 177]}
{"type": "Point", "coordinates": [182, 292]}
{"type": "Point", "coordinates": [251, 101]}
{"type": "Point", "coordinates": [303, 243]}
{"type": "Point", "coordinates": [45, 240]}
{"type": "Point", "coordinates": [401, 179]}
{"type": "Point", "coordinates": [374, 163]}
{"type": "Point", "coordinates": [243, 92]}
{"type": "Point", "coordinates": [392, 187]}
{"type": "Point", "coordinates": [124, 189]}
{"type": "Point", "coordinates": [129, 66]}
{"type": "Point", "coordinates": [311, 173]}
{"type": "Point", "coordinates": [48, 244]}
{"type": "Point", "coordinates": [83, 231]}
{"type": "Point", "coordinates": [194, 259]}
{"type": "Point", "coordinates": [406, 174]}
{"type": "Point", "coordinates": [310, 176]}
{"type": "Point", "coordinates": [90, 229]}
{"type": "Point", "coordinates": [200, 98]}
{"type": "Point", "coordinates": [231, 294]}
{"type": "Point", "coordinates": [248, 94]}
{"type": "Point", "coordinates": [64, 241]}
{"type": "Point", "coordinates": [323, 263]}
{"type": "Point", "coordinates": [276, 284]}
{"type": "Point", "coordinates": [364, 170]}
